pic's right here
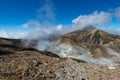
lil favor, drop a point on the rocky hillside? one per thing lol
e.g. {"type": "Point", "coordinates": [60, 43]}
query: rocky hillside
{"type": "Point", "coordinates": [30, 64]}
{"type": "Point", "coordinates": [89, 44]}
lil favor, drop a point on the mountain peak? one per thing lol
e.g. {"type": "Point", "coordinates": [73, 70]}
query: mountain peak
{"type": "Point", "coordinates": [89, 28]}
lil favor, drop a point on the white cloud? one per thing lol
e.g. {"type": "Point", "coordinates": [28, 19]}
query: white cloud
{"type": "Point", "coordinates": [4, 34]}
{"type": "Point", "coordinates": [46, 11]}
{"type": "Point", "coordinates": [117, 12]}
{"type": "Point", "coordinates": [45, 32]}
{"type": "Point", "coordinates": [44, 36]}
{"type": "Point", "coordinates": [96, 18]}
{"type": "Point", "coordinates": [45, 16]}
{"type": "Point", "coordinates": [59, 27]}
{"type": "Point", "coordinates": [28, 24]}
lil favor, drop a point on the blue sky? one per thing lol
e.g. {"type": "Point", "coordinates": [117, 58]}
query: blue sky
{"type": "Point", "coordinates": [15, 13]}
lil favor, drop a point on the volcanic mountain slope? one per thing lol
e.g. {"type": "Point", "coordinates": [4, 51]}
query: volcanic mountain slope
{"type": "Point", "coordinates": [89, 44]}
{"type": "Point", "coordinates": [21, 63]}
{"type": "Point", "coordinates": [31, 64]}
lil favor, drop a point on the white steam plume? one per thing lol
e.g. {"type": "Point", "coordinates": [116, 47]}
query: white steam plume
{"type": "Point", "coordinates": [42, 37]}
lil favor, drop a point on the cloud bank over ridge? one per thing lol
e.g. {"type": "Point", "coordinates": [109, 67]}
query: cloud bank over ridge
{"type": "Point", "coordinates": [96, 18]}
